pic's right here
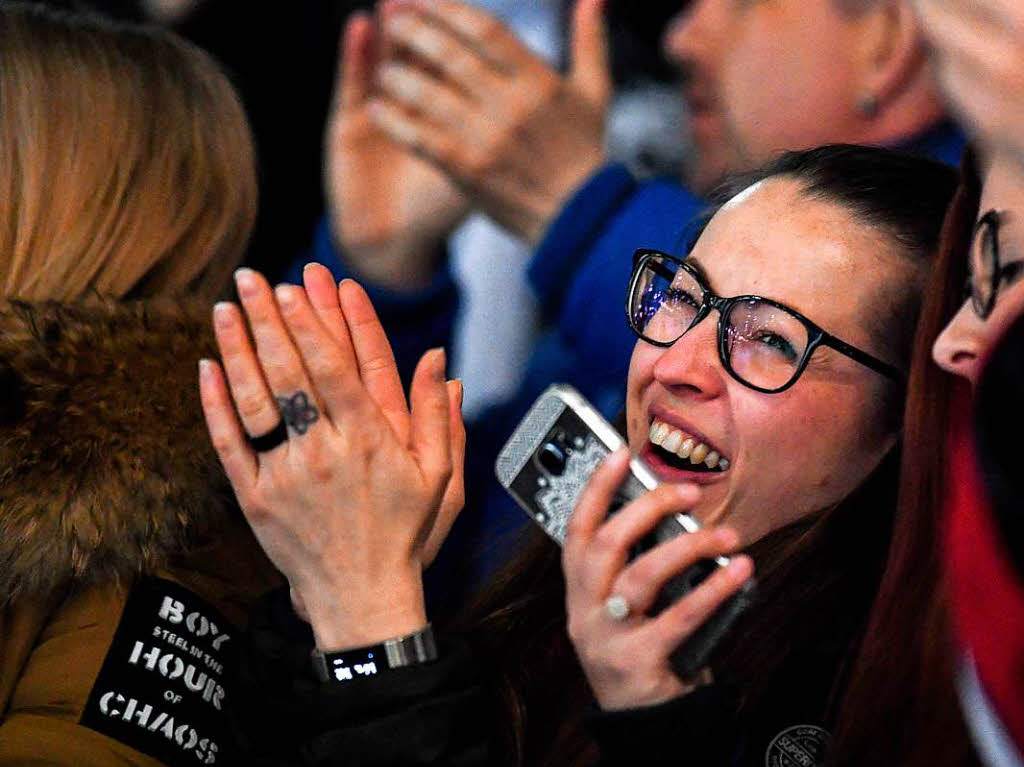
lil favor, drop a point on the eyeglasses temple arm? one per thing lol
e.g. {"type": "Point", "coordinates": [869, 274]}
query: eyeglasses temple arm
{"type": "Point", "coordinates": [868, 360]}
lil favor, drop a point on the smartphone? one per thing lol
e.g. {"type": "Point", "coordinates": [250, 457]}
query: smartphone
{"type": "Point", "coordinates": [548, 461]}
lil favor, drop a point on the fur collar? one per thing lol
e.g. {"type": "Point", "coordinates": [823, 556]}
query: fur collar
{"type": "Point", "coordinates": [106, 469]}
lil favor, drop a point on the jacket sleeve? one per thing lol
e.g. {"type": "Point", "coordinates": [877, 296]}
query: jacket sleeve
{"type": "Point", "coordinates": [436, 713]}
{"type": "Point", "coordinates": [414, 321]}
{"type": "Point", "coordinates": [707, 728]}
{"type": "Point", "coordinates": [699, 729]}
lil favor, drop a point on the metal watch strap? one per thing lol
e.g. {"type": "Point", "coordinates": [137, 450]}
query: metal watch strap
{"type": "Point", "coordinates": [345, 665]}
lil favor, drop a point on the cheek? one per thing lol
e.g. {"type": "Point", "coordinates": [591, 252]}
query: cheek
{"type": "Point", "coordinates": [783, 94]}
{"type": "Point", "coordinates": [1009, 307]}
{"type": "Point", "coordinates": [641, 376]}
{"type": "Point", "coordinates": [809, 453]}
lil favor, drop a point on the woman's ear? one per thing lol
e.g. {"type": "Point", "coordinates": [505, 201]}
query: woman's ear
{"type": "Point", "coordinates": [890, 55]}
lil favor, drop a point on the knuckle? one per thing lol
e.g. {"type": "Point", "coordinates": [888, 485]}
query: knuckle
{"type": "Point", "coordinates": [222, 443]}
{"type": "Point", "coordinates": [252, 404]}
{"type": "Point", "coordinates": [635, 578]}
{"type": "Point", "coordinates": [255, 511]}
{"type": "Point", "coordinates": [605, 540]}
{"type": "Point", "coordinates": [478, 161]}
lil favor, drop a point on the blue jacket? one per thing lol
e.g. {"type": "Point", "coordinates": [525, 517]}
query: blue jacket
{"type": "Point", "coordinates": [579, 272]}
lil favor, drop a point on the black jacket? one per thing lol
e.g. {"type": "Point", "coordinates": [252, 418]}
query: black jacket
{"type": "Point", "coordinates": [442, 713]}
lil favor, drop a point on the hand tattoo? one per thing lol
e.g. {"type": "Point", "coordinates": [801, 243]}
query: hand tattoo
{"type": "Point", "coordinates": [298, 412]}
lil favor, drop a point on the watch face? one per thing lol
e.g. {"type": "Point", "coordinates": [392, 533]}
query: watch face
{"type": "Point", "coordinates": [346, 666]}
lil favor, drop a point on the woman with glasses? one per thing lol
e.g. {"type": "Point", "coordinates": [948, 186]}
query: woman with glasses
{"type": "Point", "coordinates": [765, 393]}
{"type": "Point", "coordinates": [944, 639]}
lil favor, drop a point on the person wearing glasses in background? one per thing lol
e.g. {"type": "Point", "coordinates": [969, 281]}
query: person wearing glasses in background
{"type": "Point", "coordinates": [765, 392]}
{"type": "Point", "coordinates": [945, 642]}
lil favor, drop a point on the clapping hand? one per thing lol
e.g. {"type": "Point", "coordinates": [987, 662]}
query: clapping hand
{"type": "Point", "coordinates": [357, 498]}
{"type": "Point", "coordinates": [979, 52]}
{"type": "Point", "coordinates": [458, 88]}
{"type": "Point", "coordinates": [389, 209]}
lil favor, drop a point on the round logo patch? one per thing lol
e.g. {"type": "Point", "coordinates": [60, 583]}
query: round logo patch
{"type": "Point", "coordinates": [801, 746]}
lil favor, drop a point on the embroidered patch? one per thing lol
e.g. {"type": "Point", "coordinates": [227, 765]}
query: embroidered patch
{"type": "Point", "coordinates": [801, 746]}
{"type": "Point", "coordinates": [161, 687]}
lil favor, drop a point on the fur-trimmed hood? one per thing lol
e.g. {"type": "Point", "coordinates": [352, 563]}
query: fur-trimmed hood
{"type": "Point", "coordinates": [106, 469]}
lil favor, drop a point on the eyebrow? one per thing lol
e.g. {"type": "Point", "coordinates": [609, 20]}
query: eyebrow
{"type": "Point", "coordinates": [697, 267]}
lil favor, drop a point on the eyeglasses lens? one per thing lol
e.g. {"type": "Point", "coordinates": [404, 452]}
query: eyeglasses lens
{"type": "Point", "coordinates": [764, 344]}
{"type": "Point", "coordinates": [665, 300]}
{"type": "Point", "coordinates": [984, 265]}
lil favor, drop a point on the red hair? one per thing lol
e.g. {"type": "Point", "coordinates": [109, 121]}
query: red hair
{"type": "Point", "coordinates": [900, 706]}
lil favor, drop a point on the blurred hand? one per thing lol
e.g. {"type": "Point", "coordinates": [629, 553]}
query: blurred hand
{"type": "Point", "coordinates": [461, 90]}
{"type": "Point", "coordinates": [356, 502]}
{"type": "Point", "coordinates": [389, 209]}
{"type": "Point", "coordinates": [979, 51]}
{"type": "Point", "coordinates": [627, 661]}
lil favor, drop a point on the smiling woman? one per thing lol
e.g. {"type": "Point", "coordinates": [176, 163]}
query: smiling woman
{"type": "Point", "coordinates": [814, 267]}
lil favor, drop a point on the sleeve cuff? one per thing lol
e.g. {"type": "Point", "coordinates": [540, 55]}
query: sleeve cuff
{"type": "Point", "coordinates": [441, 290]}
{"type": "Point", "coordinates": [575, 228]}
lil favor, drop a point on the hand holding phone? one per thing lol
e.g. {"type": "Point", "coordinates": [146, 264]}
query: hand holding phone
{"type": "Point", "coordinates": [645, 654]}
{"type": "Point", "coordinates": [547, 465]}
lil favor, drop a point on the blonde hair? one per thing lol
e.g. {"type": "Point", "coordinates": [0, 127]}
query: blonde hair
{"type": "Point", "coordinates": [126, 163]}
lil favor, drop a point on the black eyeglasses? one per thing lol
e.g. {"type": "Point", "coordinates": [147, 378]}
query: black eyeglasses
{"type": "Point", "coordinates": [763, 344]}
{"type": "Point", "coordinates": [984, 272]}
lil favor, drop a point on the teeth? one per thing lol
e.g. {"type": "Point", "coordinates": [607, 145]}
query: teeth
{"type": "Point", "coordinates": [673, 441]}
{"type": "Point", "coordinates": [685, 449]}
{"type": "Point", "coordinates": [655, 431]}
{"type": "Point", "coordinates": [658, 432]}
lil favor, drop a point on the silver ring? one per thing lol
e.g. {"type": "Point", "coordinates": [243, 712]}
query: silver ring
{"type": "Point", "coordinates": [616, 607]}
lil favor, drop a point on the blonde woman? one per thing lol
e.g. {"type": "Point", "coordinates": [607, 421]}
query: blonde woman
{"type": "Point", "coordinates": [127, 196]}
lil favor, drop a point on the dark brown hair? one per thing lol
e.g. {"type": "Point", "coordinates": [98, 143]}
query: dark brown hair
{"type": "Point", "coordinates": [519, 621]}
{"type": "Point", "coordinates": [904, 672]}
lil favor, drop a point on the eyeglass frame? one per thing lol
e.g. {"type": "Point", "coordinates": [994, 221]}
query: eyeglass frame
{"type": "Point", "coordinates": [992, 220]}
{"type": "Point", "coordinates": [816, 336]}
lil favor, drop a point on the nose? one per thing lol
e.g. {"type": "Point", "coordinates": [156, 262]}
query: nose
{"type": "Point", "coordinates": [692, 365]}
{"type": "Point", "coordinates": [689, 37]}
{"type": "Point", "coordinates": [958, 348]}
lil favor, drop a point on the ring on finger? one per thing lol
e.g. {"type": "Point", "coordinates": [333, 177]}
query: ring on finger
{"type": "Point", "coordinates": [616, 607]}
{"type": "Point", "coordinates": [264, 443]}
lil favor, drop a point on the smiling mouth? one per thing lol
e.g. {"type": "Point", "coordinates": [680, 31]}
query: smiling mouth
{"type": "Point", "coordinates": [684, 452]}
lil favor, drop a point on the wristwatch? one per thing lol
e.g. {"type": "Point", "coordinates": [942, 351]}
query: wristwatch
{"type": "Point", "coordinates": [346, 665]}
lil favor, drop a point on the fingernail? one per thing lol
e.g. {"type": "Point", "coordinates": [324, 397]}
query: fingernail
{"type": "Point", "coordinates": [461, 391]}
{"type": "Point", "coordinates": [311, 264]}
{"type": "Point", "coordinates": [223, 314]}
{"type": "Point", "coordinates": [245, 281]}
{"type": "Point", "coordinates": [285, 295]}
{"type": "Point", "coordinates": [205, 369]}
{"type": "Point", "coordinates": [741, 566]}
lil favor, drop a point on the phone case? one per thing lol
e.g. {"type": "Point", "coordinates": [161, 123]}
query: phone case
{"type": "Point", "coordinates": [547, 462]}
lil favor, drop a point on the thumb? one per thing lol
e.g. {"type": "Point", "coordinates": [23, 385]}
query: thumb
{"type": "Point", "coordinates": [591, 68]}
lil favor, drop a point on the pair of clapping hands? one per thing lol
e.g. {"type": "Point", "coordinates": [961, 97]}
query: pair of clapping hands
{"type": "Point", "coordinates": [978, 48]}
{"type": "Point", "coordinates": [438, 109]}
{"type": "Point", "coordinates": [357, 499]}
